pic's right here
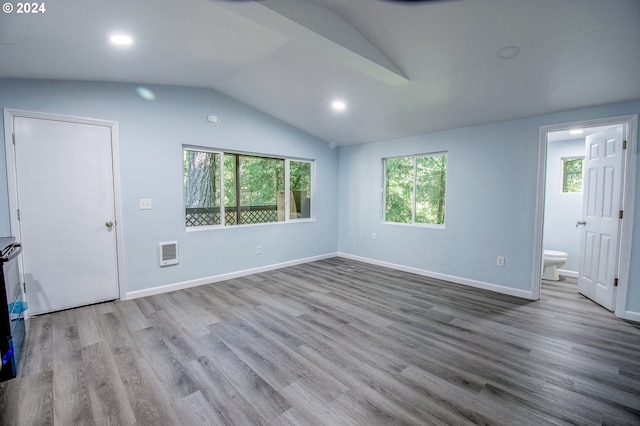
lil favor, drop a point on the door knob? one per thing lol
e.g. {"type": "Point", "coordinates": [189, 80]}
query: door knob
{"type": "Point", "coordinates": [581, 222]}
{"type": "Point", "coordinates": [109, 224]}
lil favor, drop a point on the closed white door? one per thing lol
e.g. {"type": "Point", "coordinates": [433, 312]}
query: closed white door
{"type": "Point", "coordinates": [65, 187]}
{"type": "Point", "coordinates": [603, 169]}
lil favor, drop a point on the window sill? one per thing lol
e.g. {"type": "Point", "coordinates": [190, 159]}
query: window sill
{"type": "Point", "coordinates": [416, 225]}
{"type": "Point", "coordinates": [247, 225]}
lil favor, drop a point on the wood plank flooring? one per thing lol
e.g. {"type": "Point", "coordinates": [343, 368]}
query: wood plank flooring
{"type": "Point", "coordinates": [333, 342]}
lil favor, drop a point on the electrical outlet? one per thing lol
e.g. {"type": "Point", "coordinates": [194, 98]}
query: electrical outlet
{"type": "Point", "coordinates": [145, 204]}
{"type": "Point", "coordinates": [500, 261]}
{"type": "Point", "coordinates": [258, 250]}
{"type": "Point", "coordinates": [373, 236]}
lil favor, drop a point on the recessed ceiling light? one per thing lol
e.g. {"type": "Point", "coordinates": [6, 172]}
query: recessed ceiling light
{"type": "Point", "coordinates": [121, 39]}
{"type": "Point", "coordinates": [576, 132]}
{"type": "Point", "coordinates": [338, 105]}
{"type": "Point", "coordinates": [508, 52]}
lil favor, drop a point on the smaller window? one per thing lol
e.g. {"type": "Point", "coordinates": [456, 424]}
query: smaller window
{"type": "Point", "coordinates": [300, 184]}
{"type": "Point", "coordinates": [415, 189]}
{"type": "Point", "coordinates": [572, 175]}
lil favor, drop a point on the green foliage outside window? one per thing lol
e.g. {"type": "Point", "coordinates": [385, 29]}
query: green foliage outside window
{"type": "Point", "coordinates": [572, 175]}
{"type": "Point", "coordinates": [415, 189]}
{"type": "Point", "coordinates": [260, 180]}
{"type": "Point", "coordinates": [399, 190]}
{"type": "Point", "coordinates": [300, 184]}
{"type": "Point", "coordinates": [257, 182]}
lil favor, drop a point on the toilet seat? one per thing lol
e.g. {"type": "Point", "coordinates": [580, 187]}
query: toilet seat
{"type": "Point", "coordinates": [555, 255]}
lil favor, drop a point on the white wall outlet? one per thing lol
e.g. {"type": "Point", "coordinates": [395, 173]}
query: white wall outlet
{"type": "Point", "coordinates": [374, 236]}
{"type": "Point", "coordinates": [258, 250]}
{"type": "Point", "coordinates": [145, 203]}
{"type": "Point", "coordinates": [500, 261]}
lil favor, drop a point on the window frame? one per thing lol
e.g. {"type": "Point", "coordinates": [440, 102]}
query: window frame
{"type": "Point", "coordinates": [221, 177]}
{"type": "Point", "coordinates": [563, 161]}
{"type": "Point", "coordinates": [414, 158]}
{"type": "Point", "coordinates": [223, 207]}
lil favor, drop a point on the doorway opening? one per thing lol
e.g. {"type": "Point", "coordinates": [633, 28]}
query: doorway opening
{"type": "Point", "coordinates": [565, 195]}
{"type": "Point", "coordinates": [563, 206]}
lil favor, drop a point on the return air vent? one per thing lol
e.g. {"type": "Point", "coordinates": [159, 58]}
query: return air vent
{"type": "Point", "coordinates": [168, 253]}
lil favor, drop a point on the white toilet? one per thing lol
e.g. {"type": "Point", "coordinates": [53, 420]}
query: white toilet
{"type": "Point", "coordinates": [552, 261]}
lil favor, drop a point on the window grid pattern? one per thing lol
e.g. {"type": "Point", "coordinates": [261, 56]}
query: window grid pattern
{"type": "Point", "coordinates": [415, 189]}
{"type": "Point", "coordinates": [259, 181]}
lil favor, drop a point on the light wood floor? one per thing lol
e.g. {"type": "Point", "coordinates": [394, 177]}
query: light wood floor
{"type": "Point", "coordinates": [331, 342]}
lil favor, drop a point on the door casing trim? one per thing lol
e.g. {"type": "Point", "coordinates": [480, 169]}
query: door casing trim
{"type": "Point", "coordinates": [630, 134]}
{"type": "Point", "coordinates": [12, 184]}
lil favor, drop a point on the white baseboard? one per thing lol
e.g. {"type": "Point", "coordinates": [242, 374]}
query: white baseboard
{"type": "Point", "coordinates": [632, 316]}
{"type": "Point", "coordinates": [458, 280]}
{"type": "Point", "coordinates": [216, 278]}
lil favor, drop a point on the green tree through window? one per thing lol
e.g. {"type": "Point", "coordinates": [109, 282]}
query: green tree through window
{"type": "Point", "coordinates": [202, 184]}
{"type": "Point", "coordinates": [572, 175]}
{"type": "Point", "coordinates": [253, 191]}
{"type": "Point", "coordinates": [415, 189]}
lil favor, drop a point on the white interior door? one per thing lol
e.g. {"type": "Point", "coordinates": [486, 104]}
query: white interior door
{"type": "Point", "coordinates": [603, 169]}
{"type": "Point", "coordinates": [65, 186]}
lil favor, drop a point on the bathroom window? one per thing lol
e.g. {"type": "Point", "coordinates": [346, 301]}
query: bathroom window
{"type": "Point", "coordinates": [225, 188]}
{"type": "Point", "coordinates": [572, 175]}
{"type": "Point", "coordinates": [415, 189]}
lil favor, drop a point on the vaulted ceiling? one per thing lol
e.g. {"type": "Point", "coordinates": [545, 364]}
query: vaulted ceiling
{"type": "Point", "coordinates": [402, 68]}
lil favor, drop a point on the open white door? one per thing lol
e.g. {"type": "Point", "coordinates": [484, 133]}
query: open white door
{"type": "Point", "coordinates": [603, 170]}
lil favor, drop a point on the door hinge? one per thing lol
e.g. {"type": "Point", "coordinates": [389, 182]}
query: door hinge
{"type": "Point", "coordinates": [13, 136]}
{"type": "Point", "coordinates": [620, 214]}
{"type": "Point", "coordinates": [624, 144]}
{"type": "Point", "coordinates": [24, 287]}
{"type": "Point", "coordinates": [18, 212]}
{"type": "Point", "coordinates": [615, 282]}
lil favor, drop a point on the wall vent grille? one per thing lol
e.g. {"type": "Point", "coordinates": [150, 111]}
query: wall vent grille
{"type": "Point", "coordinates": [168, 253]}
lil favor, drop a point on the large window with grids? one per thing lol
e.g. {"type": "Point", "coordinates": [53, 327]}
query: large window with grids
{"type": "Point", "coordinates": [227, 188]}
{"type": "Point", "coordinates": [415, 189]}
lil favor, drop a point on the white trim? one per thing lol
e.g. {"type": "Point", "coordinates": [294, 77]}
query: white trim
{"type": "Point", "coordinates": [287, 194]}
{"type": "Point", "coordinates": [631, 316]}
{"type": "Point", "coordinates": [12, 184]}
{"type": "Point", "coordinates": [626, 232]}
{"type": "Point", "coordinates": [222, 277]}
{"type": "Point", "coordinates": [630, 123]}
{"type": "Point", "coordinates": [451, 278]}
{"type": "Point", "coordinates": [538, 224]}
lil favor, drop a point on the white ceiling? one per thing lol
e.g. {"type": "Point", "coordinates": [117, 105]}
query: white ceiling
{"type": "Point", "coordinates": [403, 68]}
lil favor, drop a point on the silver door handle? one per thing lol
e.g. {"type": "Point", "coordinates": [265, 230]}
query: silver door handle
{"type": "Point", "coordinates": [109, 224]}
{"type": "Point", "coordinates": [581, 222]}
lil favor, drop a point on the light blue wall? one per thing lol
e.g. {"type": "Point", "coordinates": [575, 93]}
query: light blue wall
{"type": "Point", "coordinates": [562, 210]}
{"type": "Point", "coordinates": [491, 191]}
{"type": "Point", "coordinates": [151, 135]}
{"type": "Point", "coordinates": [488, 200]}
{"type": "Point", "coordinates": [491, 187]}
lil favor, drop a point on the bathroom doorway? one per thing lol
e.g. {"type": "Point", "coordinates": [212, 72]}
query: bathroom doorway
{"type": "Point", "coordinates": [564, 157]}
